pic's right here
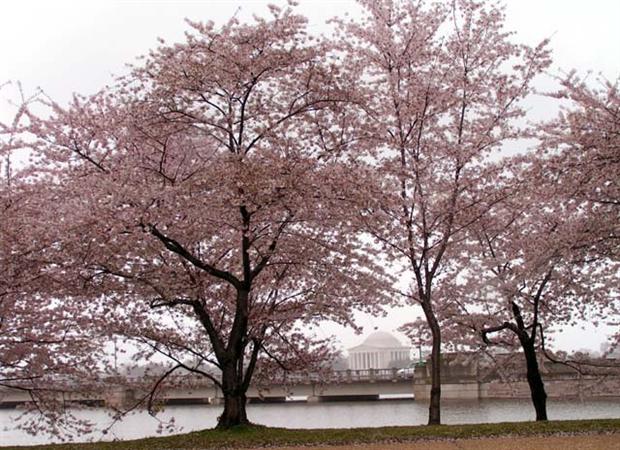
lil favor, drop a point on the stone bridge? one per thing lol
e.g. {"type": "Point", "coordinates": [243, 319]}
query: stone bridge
{"type": "Point", "coordinates": [370, 384]}
{"type": "Point", "coordinates": [461, 379]}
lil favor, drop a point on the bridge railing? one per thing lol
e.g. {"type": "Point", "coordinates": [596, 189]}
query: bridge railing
{"type": "Point", "coordinates": [348, 376]}
{"type": "Point", "coordinates": [328, 377]}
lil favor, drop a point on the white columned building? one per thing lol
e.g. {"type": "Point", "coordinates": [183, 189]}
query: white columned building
{"type": "Point", "coordinates": [380, 350]}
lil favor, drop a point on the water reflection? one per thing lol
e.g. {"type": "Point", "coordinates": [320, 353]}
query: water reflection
{"type": "Point", "coordinates": [329, 415]}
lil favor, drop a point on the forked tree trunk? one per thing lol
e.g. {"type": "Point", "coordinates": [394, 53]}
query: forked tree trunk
{"type": "Point", "coordinates": [528, 342]}
{"type": "Point", "coordinates": [234, 381]}
{"type": "Point", "coordinates": [535, 382]}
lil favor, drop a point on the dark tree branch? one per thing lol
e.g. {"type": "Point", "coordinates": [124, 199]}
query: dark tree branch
{"type": "Point", "coordinates": [505, 326]}
{"type": "Point", "coordinates": [175, 247]}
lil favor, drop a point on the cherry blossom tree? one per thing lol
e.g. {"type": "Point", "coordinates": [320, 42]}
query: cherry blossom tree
{"type": "Point", "coordinates": [527, 276]}
{"type": "Point", "coordinates": [196, 204]}
{"type": "Point", "coordinates": [545, 257]}
{"type": "Point", "coordinates": [582, 153]}
{"type": "Point", "coordinates": [553, 251]}
{"type": "Point", "coordinates": [36, 334]}
{"type": "Point", "coordinates": [440, 89]}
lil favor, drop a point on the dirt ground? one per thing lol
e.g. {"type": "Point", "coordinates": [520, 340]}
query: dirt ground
{"type": "Point", "coordinates": [583, 442]}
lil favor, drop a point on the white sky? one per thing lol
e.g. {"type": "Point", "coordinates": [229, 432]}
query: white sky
{"type": "Point", "coordinates": [66, 46]}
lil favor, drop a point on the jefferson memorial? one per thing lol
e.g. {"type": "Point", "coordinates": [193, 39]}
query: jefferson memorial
{"type": "Point", "coordinates": [380, 350]}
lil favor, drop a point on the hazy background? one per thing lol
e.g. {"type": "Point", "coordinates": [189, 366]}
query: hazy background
{"type": "Point", "coordinates": [65, 46]}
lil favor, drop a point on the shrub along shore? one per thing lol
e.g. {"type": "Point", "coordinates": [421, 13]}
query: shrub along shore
{"type": "Point", "coordinates": [258, 436]}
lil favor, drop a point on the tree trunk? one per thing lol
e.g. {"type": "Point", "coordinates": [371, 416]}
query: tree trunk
{"type": "Point", "coordinates": [234, 411]}
{"type": "Point", "coordinates": [233, 386]}
{"type": "Point", "coordinates": [537, 387]}
{"type": "Point", "coordinates": [434, 408]}
{"type": "Point", "coordinates": [234, 399]}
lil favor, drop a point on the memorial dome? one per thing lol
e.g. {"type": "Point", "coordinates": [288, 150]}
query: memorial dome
{"type": "Point", "coordinates": [382, 339]}
{"type": "Point", "coordinates": [380, 350]}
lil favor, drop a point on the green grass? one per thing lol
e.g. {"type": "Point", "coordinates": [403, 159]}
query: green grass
{"type": "Point", "coordinates": [257, 436]}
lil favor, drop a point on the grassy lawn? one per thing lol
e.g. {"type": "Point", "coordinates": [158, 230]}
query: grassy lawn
{"type": "Point", "coordinates": [256, 436]}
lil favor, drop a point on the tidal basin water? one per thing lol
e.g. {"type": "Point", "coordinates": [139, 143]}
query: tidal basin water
{"type": "Point", "coordinates": [324, 415]}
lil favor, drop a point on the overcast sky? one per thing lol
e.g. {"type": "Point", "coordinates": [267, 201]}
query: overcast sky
{"type": "Point", "coordinates": [67, 46]}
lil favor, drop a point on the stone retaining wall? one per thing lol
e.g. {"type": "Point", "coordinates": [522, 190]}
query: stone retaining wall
{"type": "Point", "coordinates": [567, 388]}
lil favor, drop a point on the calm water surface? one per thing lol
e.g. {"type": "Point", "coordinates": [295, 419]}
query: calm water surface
{"type": "Point", "coordinates": [326, 415]}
